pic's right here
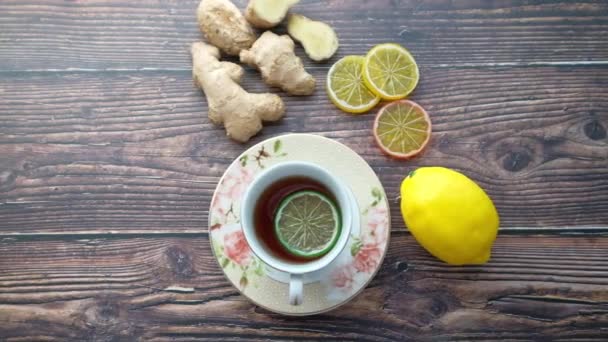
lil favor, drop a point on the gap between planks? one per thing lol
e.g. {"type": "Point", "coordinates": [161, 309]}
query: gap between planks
{"type": "Point", "coordinates": [437, 66]}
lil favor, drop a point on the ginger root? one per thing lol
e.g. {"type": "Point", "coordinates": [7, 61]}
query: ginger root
{"type": "Point", "coordinates": [241, 113]}
{"type": "Point", "coordinates": [267, 13]}
{"type": "Point", "coordinates": [318, 39]}
{"type": "Point", "coordinates": [273, 55]}
{"type": "Point", "coordinates": [224, 26]}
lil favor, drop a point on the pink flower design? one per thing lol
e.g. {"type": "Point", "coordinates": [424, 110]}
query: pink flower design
{"type": "Point", "coordinates": [236, 248]}
{"type": "Point", "coordinates": [377, 221]}
{"type": "Point", "coordinates": [232, 188]}
{"type": "Point", "coordinates": [368, 258]}
{"type": "Point", "coordinates": [234, 185]}
{"type": "Point", "coordinates": [343, 277]}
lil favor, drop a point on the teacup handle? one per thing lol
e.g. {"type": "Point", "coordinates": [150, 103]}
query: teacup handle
{"type": "Point", "coordinates": [296, 289]}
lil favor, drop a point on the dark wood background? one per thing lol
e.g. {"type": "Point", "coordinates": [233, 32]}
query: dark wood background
{"type": "Point", "coordinates": [108, 163]}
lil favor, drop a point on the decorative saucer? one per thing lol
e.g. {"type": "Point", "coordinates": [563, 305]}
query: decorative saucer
{"type": "Point", "coordinates": [341, 280]}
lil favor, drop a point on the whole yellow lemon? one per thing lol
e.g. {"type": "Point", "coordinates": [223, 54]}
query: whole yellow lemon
{"type": "Point", "coordinates": [449, 215]}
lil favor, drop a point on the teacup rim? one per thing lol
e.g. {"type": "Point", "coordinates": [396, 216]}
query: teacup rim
{"type": "Point", "coordinates": [342, 198]}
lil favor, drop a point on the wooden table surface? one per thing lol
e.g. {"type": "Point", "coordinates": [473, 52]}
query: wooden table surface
{"type": "Point", "coordinates": [108, 163]}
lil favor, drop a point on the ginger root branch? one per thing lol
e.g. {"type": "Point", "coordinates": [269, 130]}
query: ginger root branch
{"type": "Point", "coordinates": [273, 55]}
{"type": "Point", "coordinates": [224, 26]}
{"type": "Point", "coordinates": [240, 112]}
{"type": "Point", "coordinates": [319, 40]}
{"type": "Point", "coordinates": [267, 13]}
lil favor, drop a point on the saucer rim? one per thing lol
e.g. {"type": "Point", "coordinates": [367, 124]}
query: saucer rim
{"type": "Point", "coordinates": [340, 303]}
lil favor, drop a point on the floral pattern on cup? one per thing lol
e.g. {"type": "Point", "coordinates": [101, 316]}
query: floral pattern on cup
{"type": "Point", "coordinates": [366, 252]}
{"type": "Point", "coordinates": [229, 244]}
{"type": "Point", "coordinates": [368, 258]}
{"type": "Point", "coordinates": [233, 253]}
{"type": "Point", "coordinates": [236, 248]}
{"type": "Point", "coordinates": [345, 276]}
{"type": "Point", "coordinates": [232, 188]}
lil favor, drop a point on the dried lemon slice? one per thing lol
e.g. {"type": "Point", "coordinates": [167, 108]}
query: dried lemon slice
{"type": "Point", "coordinates": [390, 71]}
{"type": "Point", "coordinates": [345, 86]}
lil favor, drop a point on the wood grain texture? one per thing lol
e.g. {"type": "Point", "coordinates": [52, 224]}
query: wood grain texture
{"type": "Point", "coordinates": [108, 164]}
{"type": "Point", "coordinates": [114, 34]}
{"type": "Point", "coordinates": [134, 152]}
{"type": "Point", "coordinates": [114, 289]}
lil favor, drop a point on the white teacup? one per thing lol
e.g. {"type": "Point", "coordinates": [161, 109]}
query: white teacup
{"type": "Point", "coordinates": [296, 270]}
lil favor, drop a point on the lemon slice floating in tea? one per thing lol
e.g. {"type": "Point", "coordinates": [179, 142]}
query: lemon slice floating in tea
{"type": "Point", "coordinates": [307, 224]}
{"type": "Point", "coordinates": [402, 129]}
{"type": "Point", "coordinates": [390, 71]}
{"type": "Point", "coordinates": [345, 86]}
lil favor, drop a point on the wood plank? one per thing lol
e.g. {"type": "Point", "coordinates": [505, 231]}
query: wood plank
{"type": "Point", "coordinates": [99, 288]}
{"type": "Point", "coordinates": [134, 152]}
{"type": "Point", "coordinates": [114, 34]}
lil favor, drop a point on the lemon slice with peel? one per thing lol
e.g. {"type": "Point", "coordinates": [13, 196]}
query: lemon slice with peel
{"type": "Point", "coordinates": [390, 71]}
{"type": "Point", "coordinates": [402, 129]}
{"type": "Point", "coordinates": [307, 224]}
{"type": "Point", "coordinates": [346, 88]}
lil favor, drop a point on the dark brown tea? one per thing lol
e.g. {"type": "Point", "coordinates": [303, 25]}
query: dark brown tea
{"type": "Point", "coordinates": [267, 205]}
